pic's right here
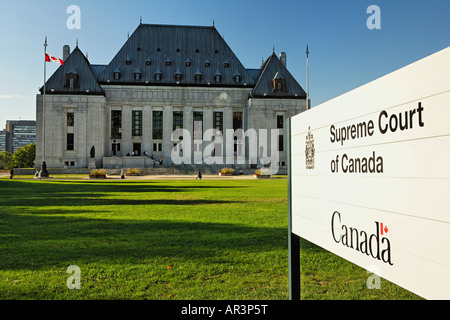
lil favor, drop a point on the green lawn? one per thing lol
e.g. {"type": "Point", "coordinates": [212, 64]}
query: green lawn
{"type": "Point", "coordinates": [162, 239]}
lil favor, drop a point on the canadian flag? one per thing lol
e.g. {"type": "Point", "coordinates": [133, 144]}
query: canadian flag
{"type": "Point", "coordinates": [49, 58]}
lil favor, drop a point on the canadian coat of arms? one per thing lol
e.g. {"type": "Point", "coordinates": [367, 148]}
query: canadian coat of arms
{"type": "Point", "coordinates": [310, 151]}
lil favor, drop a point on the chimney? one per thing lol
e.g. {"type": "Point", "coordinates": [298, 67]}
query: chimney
{"type": "Point", "coordinates": [66, 52]}
{"type": "Point", "coordinates": [283, 58]}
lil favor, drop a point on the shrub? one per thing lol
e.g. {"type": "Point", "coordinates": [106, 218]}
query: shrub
{"type": "Point", "coordinates": [262, 172]}
{"type": "Point", "coordinates": [98, 172]}
{"type": "Point", "coordinates": [227, 170]}
{"type": "Point", "coordinates": [133, 171]}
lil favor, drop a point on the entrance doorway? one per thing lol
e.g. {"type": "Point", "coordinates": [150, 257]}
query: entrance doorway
{"type": "Point", "coordinates": [136, 149]}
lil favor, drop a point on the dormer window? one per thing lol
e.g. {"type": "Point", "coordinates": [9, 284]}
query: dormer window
{"type": "Point", "coordinates": [237, 77]}
{"type": "Point", "coordinates": [137, 75]}
{"type": "Point", "coordinates": [207, 64]}
{"type": "Point", "coordinates": [187, 63]}
{"type": "Point", "coordinates": [198, 76]}
{"type": "Point", "coordinates": [116, 74]}
{"type": "Point", "coordinates": [72, 80]}
{"type": "Point", "coordinates": [279, 83]}
{"type": "Point", "coordinates": [178, 76]}
{"type": "Point", "coordinates": [226, 64]}
{"type": "Point", "coordinates": [158, 75]}
{"type": "Point", "coordinates": [218, 77]}
{"type": "Point", "coordinates": [148, 62]}
{"type": "Point", "coordinates": [128, 61]}
{"type": "Point", "coordinates": [168, 62]}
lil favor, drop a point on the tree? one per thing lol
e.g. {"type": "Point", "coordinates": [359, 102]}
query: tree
{"type": "Point", "coordinates": [24, 157]}
{"type": "Point", "coordinates": [5, 160]}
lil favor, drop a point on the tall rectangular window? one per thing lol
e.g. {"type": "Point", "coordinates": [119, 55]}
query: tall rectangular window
{"type": "Point", "coordinates": [280, 143]}
{"type": "Point", "coordinates": [177, 120]}
{"type": "Point", "coordinates": [218, 121]}
{"type": "Point", "coordinates": [237, 120]}
{"type": "Point", "coordinates": [116, 124]}
{"type": "Point", "coordinates": [136, 123]}
{"type": "Point", "coordinates": [70, 144]}
{"type": "Point", "coordinates": [280, 122]}
{"type": "Point", "coordinates": [70, 119]}
{"type": "Point", "coordinates": [198, 124]}
{"type": "Point", "coordinates": [157, 125]}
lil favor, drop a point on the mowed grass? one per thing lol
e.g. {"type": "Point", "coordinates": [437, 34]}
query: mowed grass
{"type": "Point", "coordinates": [162, 239]}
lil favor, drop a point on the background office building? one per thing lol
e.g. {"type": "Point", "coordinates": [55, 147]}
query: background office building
{"type": "Point", "coordinates": [20, 133]}
{"type": "Point", "coordinates": [4, 135]}
{"type": "Point", "coordinates": [164, 77]}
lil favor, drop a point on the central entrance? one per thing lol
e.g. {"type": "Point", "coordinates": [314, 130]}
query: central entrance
{"type": "Point", "coordinates": [136, 149]}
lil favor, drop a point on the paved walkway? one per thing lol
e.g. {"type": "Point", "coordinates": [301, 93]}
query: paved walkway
{"type": "Point", "coordinates": [155, 177]}
{"type": "Point", "coordinates": [180, 177]}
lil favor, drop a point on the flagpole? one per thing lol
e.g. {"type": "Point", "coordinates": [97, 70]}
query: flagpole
{"type": "Point", "coordinates": [44, 172]}
{"type": "Point", "coordinates": [307, 78]}
{"type": "Point", "coordinates": [43, 102]}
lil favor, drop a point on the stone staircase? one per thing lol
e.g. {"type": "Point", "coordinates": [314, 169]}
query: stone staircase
{"type": "Point", "coordinates": [180, 170]}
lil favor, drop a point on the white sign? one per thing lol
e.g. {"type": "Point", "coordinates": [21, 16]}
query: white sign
{"type": "Point", "coordinates": [370, 176]}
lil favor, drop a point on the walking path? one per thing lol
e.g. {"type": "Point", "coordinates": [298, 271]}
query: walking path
{"type": "Point", "coordinates": [179, 177]}
{"type": "Point", "coordinates": [146, 177]}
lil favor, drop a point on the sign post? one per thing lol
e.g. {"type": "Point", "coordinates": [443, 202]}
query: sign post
{"type": "Point", "coordinates": [369, 176]}
{"type": "Point", "coordinates": [293, 239]}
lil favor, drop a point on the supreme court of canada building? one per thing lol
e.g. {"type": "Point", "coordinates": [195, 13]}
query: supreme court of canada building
{"type": "Point", "coordinates": [164, 78]}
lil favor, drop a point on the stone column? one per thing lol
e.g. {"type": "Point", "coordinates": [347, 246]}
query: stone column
{"type": "Point", "coordinates": [126, 145]}
{"type": "Point", "coordinates": [147, 129]}
{"type": "Point", "coordinates": [188, 124]}
{"type": "Point", "coordinates": [80, 135]}
{"type": "Point", "coordinates": [207, 124]}
{"type": "Point", "coordinates": [227, 124]}
{"type": "Point", "coordinates": [167, 132]}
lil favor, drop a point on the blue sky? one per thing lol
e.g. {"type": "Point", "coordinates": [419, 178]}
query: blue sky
{"type": "Point", "coordinates": [344, 53]}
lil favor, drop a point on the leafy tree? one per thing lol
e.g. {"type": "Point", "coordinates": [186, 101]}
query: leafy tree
{"type": "Point", "coordinates": [24, 157]}
{"type": "Point", "coordinates": [5, 160]}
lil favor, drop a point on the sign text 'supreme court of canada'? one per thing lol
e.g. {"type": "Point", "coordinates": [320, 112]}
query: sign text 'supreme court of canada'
{"type": "Point", "coordinates": [370, 176]}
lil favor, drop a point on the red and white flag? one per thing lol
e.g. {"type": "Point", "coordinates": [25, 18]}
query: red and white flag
{"type": "Point", "coordinates": [49, 58]}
